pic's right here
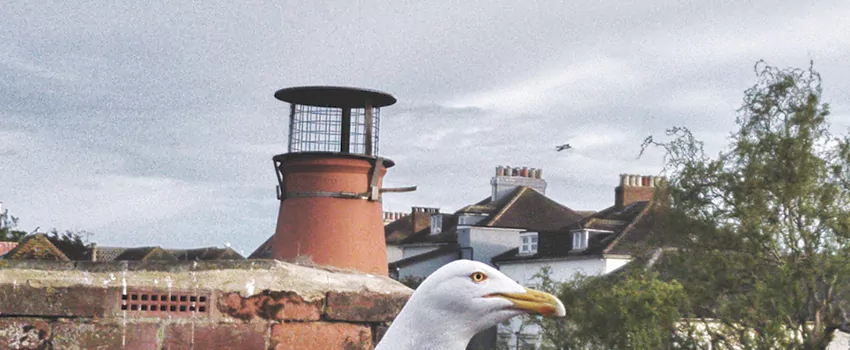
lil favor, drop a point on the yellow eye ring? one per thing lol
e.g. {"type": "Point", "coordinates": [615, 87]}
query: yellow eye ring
{"type": "Point", "coordinates": [478, 277]}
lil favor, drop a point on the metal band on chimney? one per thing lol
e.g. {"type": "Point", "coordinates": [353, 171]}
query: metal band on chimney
{"type": "Point", "coordinates": [344, 195]}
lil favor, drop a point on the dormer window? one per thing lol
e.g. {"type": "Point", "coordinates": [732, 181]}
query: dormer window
{"type": "Point", "coordinates": [580, 240]}
{"type": "Point", "coordinates": [468, 219]}
{"type": "Point", "coordinates": [528, 243]}
{"type": "Point", "coordinates": [436, 224]}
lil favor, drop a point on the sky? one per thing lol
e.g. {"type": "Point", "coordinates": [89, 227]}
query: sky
{"type": "Point", "coordinates": [154, 123]}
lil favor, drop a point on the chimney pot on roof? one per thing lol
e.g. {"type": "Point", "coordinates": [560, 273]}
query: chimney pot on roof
{"type": "Point", "coordinates": [317, 175]}
{"type": "Point", "coordinates": [524, 172]}
{"type": "Point", "coordinates": [635, 188]}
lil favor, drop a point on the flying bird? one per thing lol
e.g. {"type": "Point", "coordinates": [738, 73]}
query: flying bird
{"type": "Point", "coordinates": [563, 147]}
{"type": "Point", "coordinates": [459, 300]}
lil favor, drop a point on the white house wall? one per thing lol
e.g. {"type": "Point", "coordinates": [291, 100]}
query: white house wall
{"type": "Point", "coordinates": [487, 242]}
{"type": "Point", "coordinates": [394, 253]}
{"type": "Point", "coordinates": [408, 251]}
{"type": "Point", "coordinates": [612, 264]}
{"type": "Point", "coordinates": [562, 270]}
{"type": "Point", "coordinates": [425, 268]}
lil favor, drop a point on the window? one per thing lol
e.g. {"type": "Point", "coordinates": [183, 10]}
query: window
{"type": "Point", "coordinates": [528, 243]}
{"type": "Point", "coordinates": [580, 240]}
{"type": "Point", "coordinates": [436, 224]}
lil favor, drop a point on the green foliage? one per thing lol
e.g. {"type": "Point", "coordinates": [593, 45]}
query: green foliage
{"type": "Point", "coordinates": [633, 309]}
{"type": "Point", "coordinates": [763, 228]}
{"type": "Point", "coordinates": [7, 228]}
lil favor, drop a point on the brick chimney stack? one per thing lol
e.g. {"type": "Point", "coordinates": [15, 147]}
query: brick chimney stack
{"type": "Point", "coordinates": [507, 179]}
{"type": "Point", "coordinates": [421, 217]}
{"type": "Point", "coordinates": [636, 188]}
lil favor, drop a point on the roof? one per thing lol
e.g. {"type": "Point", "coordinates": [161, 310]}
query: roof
{"type": "Point", "coordinates": [446, 249]}
{"type": "Point", "coordinates": [415, 224]}
{"type": "Point", "coordinates": [523, 208]}
{"type": "Point", "coordinates": [264, 251]}
{"type": "Point", "coordinates": [207, 253]}
{"type": "Point", "coordinates": [108, 253]}
{"type": "Point", "coordinates": [585, 213]}
{"type": "Point", "coordinates": [7, 246]}
{"type": "Point", "coordinates": [35, 246]}
{"type": "Point", "coordinates": [531, 210]}
{"type": "Point", "coordinates": [402, 232]}
{"type": "Point", "coordinates": [621, 230]}
{"type": "Point", "coordinates": [145, 253]}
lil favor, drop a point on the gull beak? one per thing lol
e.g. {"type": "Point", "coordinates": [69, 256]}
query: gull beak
{"type": "Point", "coordinates": [535, 302]}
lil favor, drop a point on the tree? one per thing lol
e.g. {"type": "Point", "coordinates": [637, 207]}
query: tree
{"type": "Point", "coordinates": [763, 229]}
{"type": "Point", "coordinates": [72, 243]}
{"type": "Point", "coordinates": [629, 309]}
{"type": "Point", "coordinates": [7, 228]}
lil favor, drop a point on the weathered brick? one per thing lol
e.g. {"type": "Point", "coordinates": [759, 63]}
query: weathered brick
{"type": "Point", "coordinates": [270, 305]}
{"type": "Point", "coordinates": [78, 336]}
{"type": "Point", "coordinates": [364, 306]}
{"type": "Point", "coordinates": [24, 333]}
{"type": "Point", "coordinates": [141, 336]}
{"type": "Point", "coordinates": [247, 336]}
{"type": "Point", "coordinates": [80, 301]}
{"type": "Point", "coordinates": [320, 335]}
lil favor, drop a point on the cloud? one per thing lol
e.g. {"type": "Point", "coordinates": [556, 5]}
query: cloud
{"type": "Point", "coordinates": [586, 83]}
{"type": "Point", "coordinates": [155, 123]}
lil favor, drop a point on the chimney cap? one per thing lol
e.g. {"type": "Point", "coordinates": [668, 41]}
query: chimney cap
{"type": "Point", "coordinates": [334, 96]}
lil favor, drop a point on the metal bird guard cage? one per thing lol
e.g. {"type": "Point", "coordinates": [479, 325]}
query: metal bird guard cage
{"type": "Point", "coordinates": [334, 119]}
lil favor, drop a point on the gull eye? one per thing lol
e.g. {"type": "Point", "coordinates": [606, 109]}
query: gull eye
{"type": "Point", "coordinates": [478, 276]}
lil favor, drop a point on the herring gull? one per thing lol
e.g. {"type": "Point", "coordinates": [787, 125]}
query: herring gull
{"type": "Point", "coordinates": [459, 300]}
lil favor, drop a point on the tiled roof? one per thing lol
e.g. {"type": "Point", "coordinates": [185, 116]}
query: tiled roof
{"type": "Point", "coordinates": [264, 251]}
{"type": "Point", "coordinates": [145, 253]}
{"type": "Point", "coordinates": [208, 253]}
{"type": "Point", "coordinates": [108, 253]}
{"type": "Point", "coordinates": [522, 208]}
{"type": "Point", "coordinates": [585, 213]}
{"type": "Point", "coordinates": [35, 246]}
{"type": "Point", "coordinates": [531, 210]}
{"type": "Point", "coordinates": [7, 246]}
{"type": "Point", "coordinates": [414, 226]}
{"type": "Point", "coordinates": [627, 226]}
{"type": "Point", "coordinates": [447, 249]}
{"type": "Point", "coordinates": [448, 233]}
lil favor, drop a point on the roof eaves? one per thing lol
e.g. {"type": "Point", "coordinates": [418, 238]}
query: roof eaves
{"type": "Point", "coordinates": [449, 248]}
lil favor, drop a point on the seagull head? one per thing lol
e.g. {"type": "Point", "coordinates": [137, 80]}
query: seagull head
{"type": "Point", "coordinates": [461, 299]}
{"type": "Point", "coordinates": [480, 292]}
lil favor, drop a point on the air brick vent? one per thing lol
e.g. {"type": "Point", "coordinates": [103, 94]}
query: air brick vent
{"type": "Point", "coordinates": [165, 303]}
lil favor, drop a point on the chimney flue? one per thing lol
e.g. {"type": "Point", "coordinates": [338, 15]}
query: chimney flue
{"type": "Point", "coordinates": [635, 188]}
{"type": "Point", "coordinates": [328, 185]}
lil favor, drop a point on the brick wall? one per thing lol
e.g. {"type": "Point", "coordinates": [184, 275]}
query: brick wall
{"type": "Point", "coordinates": [252, 304]}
